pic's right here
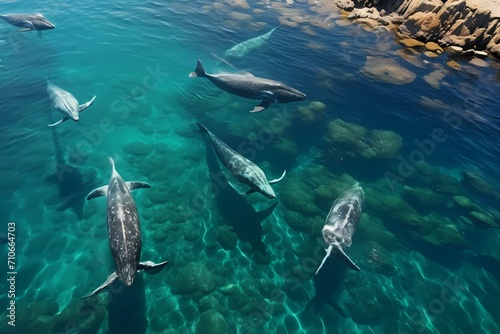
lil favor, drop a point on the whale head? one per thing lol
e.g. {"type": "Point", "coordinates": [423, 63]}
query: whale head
{"type": "Point", "coordinates": [41, 23]}
{"type": "Point", "coordinates": [289, 94]}
{"type": "Point", "coordinates": [267, 191]}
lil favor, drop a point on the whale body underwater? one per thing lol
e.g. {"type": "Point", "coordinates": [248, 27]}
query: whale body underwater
{"type": "Point", "coordinates": [28, 22]}
{"type": "Point", "coordinates": [124, 232]}
{"type": "Point", "coordinates": [341, 223]}
{"type": "Point", "coordinates": [251, 87]}
{"type": "Point", "coordinates": [65, 103]}
{"type": "Point", "coordinates": [242, 49]}
{"type": "Point", "coordinates": [244, 170]}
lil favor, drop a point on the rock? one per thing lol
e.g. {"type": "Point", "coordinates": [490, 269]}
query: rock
{"type": "Point", "coordinates": [227, 237]}
{"type": "Point", "coordinates": [478, 184]}
{"type": "Point", "coordinates": [212, 322]}
{"type": "Point", "coordinates": [456, 49]}
{"type": "Point", "coordinates": [411, 43]}
{"type": "Point", "coordinates": [431, 46]}
{"type": "Point", "coordinates": [312, 113]}
{"type": "Point", "coordinates": [32, 317]}
{"type": "Point", "coordinates": [386, 144]}
{"type": "Point", "coordinates": [481, 54]}
{"type": "Point", "coordinates": [482, 220]}
{"type": "Point", "coordinates": [85, 314]}
{"type": "Point", "coordinates": [387, 70]}
{"type": "Point", "coordinates": [445, 233]}
{"type": "Point", "coordinates": [137, 148]}
{"type": "Point", "coordinates": [465, 203]}
{"type": "Point", "coordinates": [209, 303]}
{"type": "Point", "coordinates": [194, 277]}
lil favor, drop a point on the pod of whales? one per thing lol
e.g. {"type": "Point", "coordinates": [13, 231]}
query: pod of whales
{"type": "Point", "coordinates": [250, 87]}
{"type": "Point", "coordinates": [240, 167]}
{"type": "Point", "coordinates": [241, 49]}
{"type": "Point", "coordinates": [28, 22]}
{"type": "Point", "coordinates": [65, 103]}
{"type": "Point", "coordinates": [124, 231]}
{"type": "Point", "coordinates": [341, 224]}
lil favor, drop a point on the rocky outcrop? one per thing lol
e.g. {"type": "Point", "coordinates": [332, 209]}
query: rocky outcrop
{"type": "Point", "coordinates": [465, 24]}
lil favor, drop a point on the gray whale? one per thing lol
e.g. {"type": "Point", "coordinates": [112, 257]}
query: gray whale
{"type": "Point", "coordinates": [250, 87]}
{"type": "Point", "coordinates": [341, 224]}
{"type": "Point", "coordinates": [28, 22]}
{"type": "Point", "coordinates": [244, 170]}
{"type": "Point", "coordinates": [124, 232]}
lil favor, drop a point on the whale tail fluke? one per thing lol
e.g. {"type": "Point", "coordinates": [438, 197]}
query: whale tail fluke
{"type": "Point", "coordinates": [199, 71]}
{"type": "Point", "coordinates": [202, 128]}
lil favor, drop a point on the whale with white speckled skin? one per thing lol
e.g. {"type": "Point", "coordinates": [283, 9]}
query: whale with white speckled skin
{"type": "Point", "coordinates": [244, 170]}
{"type": "Point", "coordinates": [341, 224]}
{"type": "Point", "coordinates": [124, 232]}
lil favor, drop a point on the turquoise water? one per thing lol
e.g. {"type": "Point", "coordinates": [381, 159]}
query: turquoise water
{"type": "Point", "coordinates": [430, 261]}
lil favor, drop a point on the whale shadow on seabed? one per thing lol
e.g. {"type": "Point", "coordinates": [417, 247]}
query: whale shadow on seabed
{"type": "Point", "coordinates": [233, 207]}
{"type": "Point", "coordinates": [72, 187]}
{"type": "Point", "coordinates": [328, 283]}
{"type": "Point", "coordinates": [127, 307]}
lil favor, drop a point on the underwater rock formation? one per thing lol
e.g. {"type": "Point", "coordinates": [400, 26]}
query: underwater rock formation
{"type": "Point", "coordinates": [358, 142]}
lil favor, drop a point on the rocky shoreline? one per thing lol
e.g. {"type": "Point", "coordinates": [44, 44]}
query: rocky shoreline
{"type": "Point", "coordinates": [467, 27]}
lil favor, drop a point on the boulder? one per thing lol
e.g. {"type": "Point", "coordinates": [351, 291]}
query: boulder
{"type": "Point", "coordinates": [192, 278]}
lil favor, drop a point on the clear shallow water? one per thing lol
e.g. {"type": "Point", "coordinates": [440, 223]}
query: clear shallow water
{"type": "Point", "coordinates": [411, 280]}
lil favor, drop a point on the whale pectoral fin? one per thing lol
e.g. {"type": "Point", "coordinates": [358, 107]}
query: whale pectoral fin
{"type": "Point", "coordinates": [28, 26]}
{"type": "Point", "coordinates": [132, 185]}
{"type": "Point", "coordinates": [328, 252]}
{"type": "Point", "coordinates": [340, 252]}
{"type": "Point", "coordinates": [278, 180]}
{"type": "Point", "coordinates": [85, 105]}
{"type": "Point", "coordinates": [101, 191]}
{"type": "Point", "coordinates": [60, 121]}
{"type": "Point", "coordinates": [250, 191]}
{"type": "Point", "coordinates": [151, 268]}
{"type": "Point", "coordinates": [104, 285]}
{"type": "Point", "coordinates": [262, 106]}
{"type": "Point", "coordinates": [39, 33]}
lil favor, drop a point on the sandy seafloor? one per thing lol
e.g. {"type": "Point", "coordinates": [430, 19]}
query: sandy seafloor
{"type": "Point", "coordinates": [428, 241]}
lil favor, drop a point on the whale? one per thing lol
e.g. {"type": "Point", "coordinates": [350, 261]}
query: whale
{"type": "Point", "coordinates": [28, 22]}
{"type": "Point", "coordinates": [243, 48]}
{"type": "Point", "coordinates": [124, 233]}
{"type": "Point", "coordinates": [341, 223]}
{"type": "Point", "coordinates": [251, 87]}
{"type": "Point", "coordinates": [65, 103]}
{"type": "Point", "coordinates": [244, 170]}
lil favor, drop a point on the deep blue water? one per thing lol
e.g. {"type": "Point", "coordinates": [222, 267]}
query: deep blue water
{"type": "Point", "coordinates": [424, 269]}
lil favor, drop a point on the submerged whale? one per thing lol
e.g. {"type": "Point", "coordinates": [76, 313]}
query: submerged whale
{"type": "Point", "coordinates": [65, 103]}
{"type": "Point", "coordinates": [250, 87]}
{"type": "Point", "coordinates": [341, 224]}
{"type": "Point", "coordinates": [28, 22]}
{"type": "Point", "coordinates": [240, 167]}
{"type": "Point", "coordinates": [241, 49]}
{"type": "Point", "coordinates": [124, 232]}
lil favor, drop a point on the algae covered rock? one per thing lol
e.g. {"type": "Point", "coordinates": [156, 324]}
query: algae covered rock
{"type": "Point", "coordinates": [386, 144]}
{"type": "Point", "coordinates": [138, 148]}
{"type": "Point", "coordinates": [357, 141]}
{"type": "Point", "coordinates": [387, 70]}
{"type": "Point", "coordinates": [464, 203]}
{"type": "Point", "coordinates": [194, 277]}
{"type": "Point", "coordinates": [212, 322]}
{"type": "Point", "coordinates": [33, 317]}
{"type": "Point", "coordinates": [445, 233]}
{"type": "Point", "coordinates": [312, 113]}
{"type": "Point", "coordinates": [482, 220]}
